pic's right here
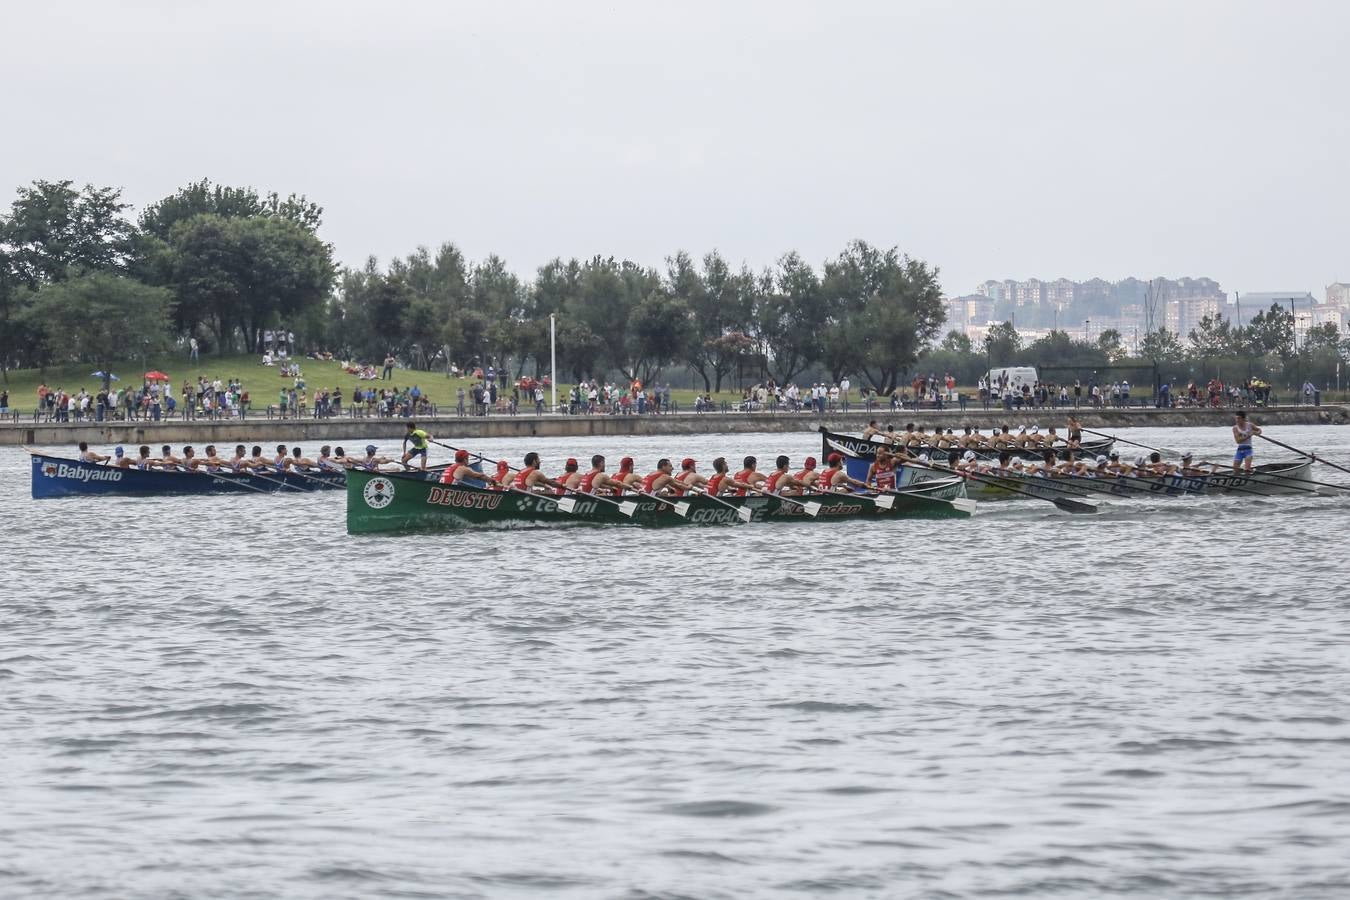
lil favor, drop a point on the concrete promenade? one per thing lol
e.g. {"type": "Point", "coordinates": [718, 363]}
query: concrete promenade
{"type": "Point", "coordinates": [262, 430]}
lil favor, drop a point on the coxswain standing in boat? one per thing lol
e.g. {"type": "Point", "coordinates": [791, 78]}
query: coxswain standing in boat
{"type": "Point", "coordinates": [1243, 430]}
{"type": "Point", "coordinates": [530, 479]}
{"type": "Point", "coordinates": [881, 474]}
{"type": "Point", "coordinates": [419, 438]}
{"type": "Point", "coordinates": [597, 480]}
{"type": "Point", "coordinates": [90, 456]}
{"type": "Point", "coordinates": [1074, 439]}
{"type": "Point", "coordinates": [781, 481]}
{"type": "Point", "coordinates": [834, 478]}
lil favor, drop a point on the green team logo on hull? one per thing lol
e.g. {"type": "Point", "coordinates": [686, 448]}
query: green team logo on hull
{"type": "Point", "coordinates": [378, 493]}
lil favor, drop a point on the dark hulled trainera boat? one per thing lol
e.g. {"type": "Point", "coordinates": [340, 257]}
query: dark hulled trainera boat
{"type": "Point", "coordinates": [53, 476]}
{"type": "Point", "coordinates": [381, 502]}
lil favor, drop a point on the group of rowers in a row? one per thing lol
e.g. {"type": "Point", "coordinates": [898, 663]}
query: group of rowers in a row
{"type": "Point", "coordinates": [998, 439]}
{"type": "Point", "coordinates": [241, 463]}
{"type": "Point", "coordinates": [665, 481]}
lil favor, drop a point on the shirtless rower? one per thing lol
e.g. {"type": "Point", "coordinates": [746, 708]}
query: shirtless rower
{"type": "Point", "coordinates": [748, 479]}
{"type": "Point", "coordinates": [1243, 430]}
{"type": "Point", "coordinates": [325, 462]}
{"type": "Point", "coordinates": [597, 480]}
{"type": "Point", "coordinates": [256, 460]}
{"type": "Point", "coordinates": [89, 456]}
{"type": "Point", "coordinates": [530, 478]}
{"type": "Point", "coordinates": [835, 478]}
{"type": "Point", "coordinates": [1156, 466]}
{"type": "Point", "coordinates": [1188, 467]}
{"type": "Point", "coordinates": [870, 430]}
{"type": "Point", "coordinates": [145, 461]}
{"type": "Point", "coordinates": [282, 459]}
{"type": "Point", "coordinates": [190, 460]}
{"type": "Point", "coordinates": [211, 461]}
{"type": "Point", "coordinates": [780, 480]}
{"type": "Point", "coordinates": [239, 463]}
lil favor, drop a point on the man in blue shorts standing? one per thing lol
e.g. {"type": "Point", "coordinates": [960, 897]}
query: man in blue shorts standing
{"type": "Point", "coordinates": [1243, 431]}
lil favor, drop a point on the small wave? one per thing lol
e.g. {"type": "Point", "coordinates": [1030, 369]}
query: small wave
{"type": "Point", "coordinates": [825, 706]}
{"type": "Point", "coordinates": [718, 809]}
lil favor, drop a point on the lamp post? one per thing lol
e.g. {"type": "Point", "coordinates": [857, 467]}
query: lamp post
{"type": "Point", "coordinates": [552, 362]}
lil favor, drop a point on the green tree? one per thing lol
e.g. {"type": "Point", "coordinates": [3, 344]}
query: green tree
{"type": "Point", "coordinates": [100, 318]}
{"type": "Point", "coordinates": [1215, 336]}
{"type": "Point", "coordinates": [957, 342]}
{"type": "Point", "coordinates": [203, 197]}
{"type": "Point", "coordinates": [721, 304]}
{"type": "Point", "coordinates": [1002, 342]}
{"type": "Point", "coordinates": [1162, 346]}
{"type": "Point", "coordinates": [1110, 343]}
{"type": "Point", "coordinates": [786, 327]}
{"type": "Point", "coordinates": [1271, 331]}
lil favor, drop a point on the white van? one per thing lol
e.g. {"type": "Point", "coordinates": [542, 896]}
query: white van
{"type": "Point", "coordinates": [1016, 376]}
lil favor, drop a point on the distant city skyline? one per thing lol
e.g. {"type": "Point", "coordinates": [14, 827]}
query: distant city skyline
{"type": "Point", "coordinates": [1071, 139]}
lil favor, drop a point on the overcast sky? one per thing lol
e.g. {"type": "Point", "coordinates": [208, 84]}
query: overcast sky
{"type": "Point", "coordinates": [995, 139]}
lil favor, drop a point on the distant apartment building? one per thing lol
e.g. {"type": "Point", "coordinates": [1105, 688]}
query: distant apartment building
{"type": "Point", "coordinates": [1256, 301]}
{"type": "Point", "coordinates": [1338, 294]}
{"type": "Point", "coordinates": [967, 310]}
{"type": "Point", "coordinates": [1330, 314]}
{"type": "Point", "coordinates": [1182, 316]}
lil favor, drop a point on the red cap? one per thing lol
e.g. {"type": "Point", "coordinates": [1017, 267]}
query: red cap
{"type": "Point", "coordinates": [687, 463]}
{"type": "Point", "coordinates": [502, 465]}
{"type": "Point", "coordinates": [461, 456]}
{"type": "Point", "coordinates": [810, 462]}
{"type": "Point", "coordinates": [834, 459]}
{"type": "Point", "coordinates": [625, 464]}
{"type": "Point", "coordinates": [570, 462]}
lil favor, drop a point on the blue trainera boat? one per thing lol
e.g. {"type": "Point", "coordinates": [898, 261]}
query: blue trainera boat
{"type": "Point", "coordinates": [56, 477]}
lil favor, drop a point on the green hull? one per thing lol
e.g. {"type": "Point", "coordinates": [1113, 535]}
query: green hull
{"type": "Point", "coordinates": [378, 502]}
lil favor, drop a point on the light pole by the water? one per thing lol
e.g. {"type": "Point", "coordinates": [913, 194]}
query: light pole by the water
{"type": "Point", "coordinates": [552, 362]}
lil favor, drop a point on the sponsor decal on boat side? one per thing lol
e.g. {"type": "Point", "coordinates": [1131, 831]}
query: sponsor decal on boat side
{"type": "Point", "coordinates": [438, 496]}
{"type": "Point", "coordinates": [79, 473]}
{"type": "Point", "coordinates": [378, 493]}
{"type": "Point", "coordinates": [713, 516]}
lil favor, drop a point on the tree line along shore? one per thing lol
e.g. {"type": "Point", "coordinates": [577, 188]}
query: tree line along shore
{"type": "Point", "coordinates": [84, 284]}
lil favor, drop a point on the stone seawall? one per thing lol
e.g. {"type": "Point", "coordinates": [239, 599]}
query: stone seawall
{"type": "Point", "coordinates": [264, 430]}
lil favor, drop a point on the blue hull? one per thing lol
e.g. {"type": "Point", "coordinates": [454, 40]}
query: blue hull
{"type": "Point", "coordinates": [56, 477]}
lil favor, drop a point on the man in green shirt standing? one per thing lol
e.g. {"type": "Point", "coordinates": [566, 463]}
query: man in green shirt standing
{"type": "Point", "coordinates": [419, 439]}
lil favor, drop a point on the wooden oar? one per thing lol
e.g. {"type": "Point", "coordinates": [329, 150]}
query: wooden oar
{"type": "Point", "coordinates": [1067, 505]}
{"type": "Point", "coordinates": [1122, 440]}
{"type": "Point", "coordinates": [1313, 456]}
{"type": "Point", "coordinates": [964, 504]}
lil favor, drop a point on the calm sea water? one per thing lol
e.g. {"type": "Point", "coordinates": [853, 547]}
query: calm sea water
{"type": "Point", "coordinates": [230, 697]}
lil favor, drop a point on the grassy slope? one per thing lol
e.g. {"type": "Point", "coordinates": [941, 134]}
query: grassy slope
{"type": "Point", "coordinates": [262, 382]}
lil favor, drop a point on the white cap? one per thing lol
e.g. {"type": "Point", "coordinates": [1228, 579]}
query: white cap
{"type": "Point", "coordinates": [923, 458]}
{"type": "Point", "coordinates": [1140, 460]}
{"type": "Point", "coordinates": [1035, 428]}
{"type": "Point", "coordinates": [1102, 460]}
{"type": "Point", "coordinates": [968, 455]}
{"type": "Point", "coordinates": [1016, 462]}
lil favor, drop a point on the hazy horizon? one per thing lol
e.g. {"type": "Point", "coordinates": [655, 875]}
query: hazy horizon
{"type": "Point", "coordinates": [993, 140]}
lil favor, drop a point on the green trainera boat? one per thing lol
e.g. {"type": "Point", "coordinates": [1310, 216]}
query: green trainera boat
{"type": "Point", "coordinates": [382, 502]}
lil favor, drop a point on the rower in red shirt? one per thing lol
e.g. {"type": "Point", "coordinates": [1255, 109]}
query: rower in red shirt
{"type": "Point", "coordinates": [881, 474]}
{"type": "Point", "coordinates": [459, 469]}
{"type": "Point", "coordinates": [835, 477]}
{"type": "Point", "coordinates": [571, 478]}
{"type": "Point", "coordinates": [719, 479]}
{"type": "Point", "coordinates": [659, 480]}
{"type": "Point", "coordinates": [688, 479]}
{"type": "Point", "coordinates": [808, 475]}
{"type": "Point", "coordinates": [626, 476]}
{"type": "Point", "coordinates": [530, 478]}
{"type": "Point", "coordinates": [747, 478]}
{"type": "Point", "coordinates": [780, 480]}
{"type": "Point", "coordinates": [597, 481]}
